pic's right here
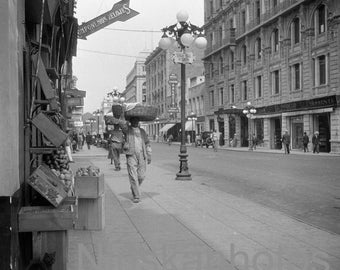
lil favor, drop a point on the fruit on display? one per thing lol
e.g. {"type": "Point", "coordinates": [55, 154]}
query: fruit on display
{"type": "Point", "coordinates": [59, 164]}
{"type": "Point", "coordinates": [89, 171]}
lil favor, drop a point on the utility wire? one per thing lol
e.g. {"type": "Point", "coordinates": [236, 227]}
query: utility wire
{"type": "Point", "coordinates": [132, 30]}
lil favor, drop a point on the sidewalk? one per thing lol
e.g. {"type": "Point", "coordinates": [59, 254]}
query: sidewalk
{"type": "Point", "coordinates": [185, 225]}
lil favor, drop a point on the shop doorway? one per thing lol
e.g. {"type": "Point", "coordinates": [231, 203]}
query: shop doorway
{"type": "Point", "coordinates": [276, 133]}
{"type": "Point", "coordinates": [297, 132]}
{"type": "Point", "coordinates": [324, 132]}
{"type": "Point", "coordinates": [221, 131]}
{"type": "Point", "coordinates": [244, 132]}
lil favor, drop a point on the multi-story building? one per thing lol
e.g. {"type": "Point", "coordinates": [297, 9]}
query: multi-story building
{"type": "Point", "coordinates": [283, 57]}
{"type": "Point", "coordinates": [159, 92]}
{"type": "Point", "coordinates": [135, 90]}
{"type": "Point", "coordinates": [196, 102]}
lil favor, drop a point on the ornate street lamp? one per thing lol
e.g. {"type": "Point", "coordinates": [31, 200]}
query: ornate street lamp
{"type": "Point", "coordinates": [91, 121]}
{"type": "Point", "coordinates": [157, 129]}
{"type": "Point", "coordinates": [192, 117]}
{"type": "Point", "coordinates": [184, 34]}
{"type": "Point", "coordinates": [116, 96]}
{"type": "Point", "coordinates": [249, 111]}
{"type": "Point", "coordinates": [97, 113]}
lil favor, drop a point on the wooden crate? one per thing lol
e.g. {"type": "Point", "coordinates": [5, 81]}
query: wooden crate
{"type": "Point", "coordinates": [89, 186]}
{"type": "Point", "coordinates": [48, 185]}
{"type": "Point", "coordinates": [51, 242]}
{"type": "Point", "coordinates": [46, 218]}
{"type": "Point", "coordinates": [91, 214]}
{"type": "Point", "coordinates": [50, 129]}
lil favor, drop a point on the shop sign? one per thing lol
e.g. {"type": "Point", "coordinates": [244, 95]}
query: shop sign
{"type": "Point", "coordinates": [75, 102]}
{"type": "Point", "coordinates": [119, 12]}
{"type": "Point", "coordinates": [75, 93]}
{"type": "Point", "coordinates": [183, 57]}
{"type": "Point", "coordinates": [173, 110]}
{"type": "Point", "coordinates": [317, 103]}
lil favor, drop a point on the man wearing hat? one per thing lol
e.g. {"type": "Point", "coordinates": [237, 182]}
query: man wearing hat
{"type": "Point", "coordinates": [316, 142]}
{"type": "Point", "coordinates": [286, 141]}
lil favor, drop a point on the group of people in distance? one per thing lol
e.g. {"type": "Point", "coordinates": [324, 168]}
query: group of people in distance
{"type": "Point", "coordinates": [305, 140]}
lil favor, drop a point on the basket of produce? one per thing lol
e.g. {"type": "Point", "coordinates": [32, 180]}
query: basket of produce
{"type": "Point", "coordinates": [140, 111]}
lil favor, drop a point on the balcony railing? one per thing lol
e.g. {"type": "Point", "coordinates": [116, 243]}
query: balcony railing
{"type": "Point", "coordinates": [271, 13]}
{"type": "Point", "coordinates": [229, 39]}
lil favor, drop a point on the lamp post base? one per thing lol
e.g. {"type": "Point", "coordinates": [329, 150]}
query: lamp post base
{"type": "Point", "coordinates": [183, 173]}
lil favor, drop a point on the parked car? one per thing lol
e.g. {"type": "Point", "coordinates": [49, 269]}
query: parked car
{"type": "Point", "coordinates": [204, 139]}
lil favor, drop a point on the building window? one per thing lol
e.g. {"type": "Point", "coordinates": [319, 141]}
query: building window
{"type": "Point", "coordinates": [232, 93]}
{"type": "Point", "coordinates": [212, 101]}
{"type": "Point", "coordinates": [257, 11]}
{"type": "Point", "coordinates": [275, 40]}
{"type": "Point", "coordinates": [274, 3]}
{"type": "Point", "coordinates": [258, 86]}
{"type": "Point", "coordinates": [243, 21]}
{"type": "Point", "coordinates": [321, 19]}
{"type": "Point", "coordinates": [320, 70]}
{"type": "Point", "coordinates": [244, 54]}
{"type": "Point", "coordinates": [244, 90]}
{"type": "Point", "coordinates": [296, 77]}
{"type": "Point", "coordinates": [275, 81]}
{"type": "Point", "coordinates": [258, 48]}
{"type": "Point", "coordinates": [221, 96]}
{"type": "Point", "coordinates": [211, 7]}
{"type": "Point", "coordinates": [220, 34]}
{"type": "Point", "coordinates": [232, 60]}
{"type": "Point", "coordinates": [295, 31]}
{"type": "Point", "coordinates": [211, 70]}
{"type": "Point", "coordinates": [221, 65]}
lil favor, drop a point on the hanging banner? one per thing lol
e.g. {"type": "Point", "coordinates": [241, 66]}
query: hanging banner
{"type": "Point", "coordinates": [119, 12]}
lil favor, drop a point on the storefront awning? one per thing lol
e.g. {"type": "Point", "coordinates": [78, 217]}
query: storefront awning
{"type": "Point", "coordinates": [166, 128]}
{"type": "Point", "coordinates": [189, 125]}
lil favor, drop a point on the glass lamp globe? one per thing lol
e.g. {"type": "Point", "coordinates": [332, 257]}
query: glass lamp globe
{"type": "Point", "coordinates": [245, 111]}
{"type": "Point", "coordinates": [115, 98]}
{"type": "Point", "coordinates": [122, 99]}
{"type": "Point", "coordinates": [201, 42]}
{"type": "Point", "coordinates": [187, 39]}
{"type": "Point", "coordinates": [165, 43]}
{"type": "Point", "coordinates": [248, 115]}
{"type": "Point", "coordinates": [252, 110]}
{"type": "Point", "coordinates": [248, 103]}
{"type": "Point", "coordinates": [182, 16]}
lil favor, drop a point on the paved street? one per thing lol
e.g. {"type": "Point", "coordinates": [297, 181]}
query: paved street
{"type": "Point", "coordinates": [304, 186]}
{"type": "Point", "coordinates": [212, 222]}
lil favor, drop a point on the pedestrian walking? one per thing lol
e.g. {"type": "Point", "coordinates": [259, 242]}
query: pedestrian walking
{"type": "Point", "coordinates": [305, 141]}
{"type": "Point", "coordinates": [286, 142]}
{"type": "Point", "coordinates": [316, 142]}
{"type": "Point", "coordinates": [116, 146]}
{"type": "Point", "coordinates": [253, 142]}
{"type": "Point", "coordinates": [68, 144]}
{"type": "Point", "coordinates": [170, 138]}
{"type": "Point", "coordinates": [214, 137]}
{"type": "Point", "coordinates": [88, 140]}
{"type": "Point", "coordinates": [137, 149]}
{"type": "Point", "coordinates": [80, 140]}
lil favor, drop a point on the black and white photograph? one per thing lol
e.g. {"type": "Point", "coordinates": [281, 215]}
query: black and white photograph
{"type": "Point", "coordinates": [170, 135]}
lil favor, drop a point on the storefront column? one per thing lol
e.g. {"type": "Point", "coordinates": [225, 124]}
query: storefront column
{"type": "Point", "coordinates": [9, 101]}
{"type": "Point", "coordinates": [335, 131]}
{"type": "Point", "coordinates": [266, 133]}
{"type": "Point", "coordinates": [226, 130]}
{"type": "Point", "coordinates": [238, 130]}
{"type": "Point", "coordinates": [307, 124]}
{"type": "Point", "coordinates": [285, 123]}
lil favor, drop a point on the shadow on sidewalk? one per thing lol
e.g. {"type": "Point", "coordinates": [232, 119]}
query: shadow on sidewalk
{"type": "Point", "coordinates": [128, 195]}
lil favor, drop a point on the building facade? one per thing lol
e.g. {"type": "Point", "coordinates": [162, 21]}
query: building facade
{"type": "Point", "coordinates": [282, 56]}
{"type": "Point", "coordinates": [196, 102]}
{"type": "Point", "coordinates": [163, 78]}
{"type": "Point", "coordinates": [135, 90]}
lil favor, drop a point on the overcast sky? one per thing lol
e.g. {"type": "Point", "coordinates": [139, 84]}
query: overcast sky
{"type": "Point", "coordinates": [98, 73]}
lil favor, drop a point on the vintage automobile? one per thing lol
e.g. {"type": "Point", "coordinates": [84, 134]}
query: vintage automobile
{"type": "Point", "coordinates": [204, 139]}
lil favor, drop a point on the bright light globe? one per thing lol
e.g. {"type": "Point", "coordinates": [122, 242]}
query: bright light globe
{"type": "Point", "coordinates": [182, 16]}
{"type": "Point", "coordinates": [201, 43]}
{"type": "Point", "coordinates": [187, 39]}
{"type": "Point", "coordinates": [165, 43]}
